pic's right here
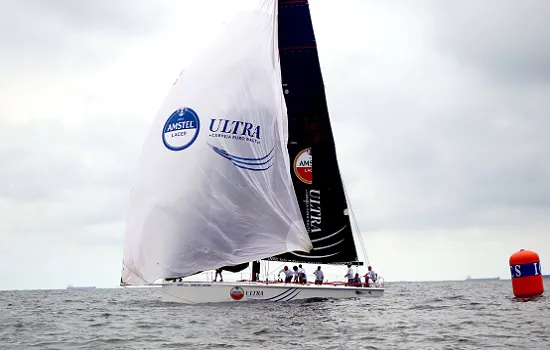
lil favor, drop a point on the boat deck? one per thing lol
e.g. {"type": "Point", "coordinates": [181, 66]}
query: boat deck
{"type": "Point", "coordinates": [327, 285]}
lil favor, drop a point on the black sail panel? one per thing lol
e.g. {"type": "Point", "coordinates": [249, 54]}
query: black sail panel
{"type": "Point", "coordinates": [235, 268]}
{"type": "Point", "coordinates": [318, 185]}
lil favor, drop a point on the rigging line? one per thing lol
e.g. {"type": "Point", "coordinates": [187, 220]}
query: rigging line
{"type": "Point", "coordinates": [273, 271]}
{"type": "Point", "coordinates": [355, 223]}
{"type": "Point", "coordinates": [265, 272]}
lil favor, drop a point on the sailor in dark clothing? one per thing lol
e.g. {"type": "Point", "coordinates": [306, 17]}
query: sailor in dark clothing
{"type": "Point", "coordinates": [218, 272]}
{"type": "Point", "coordinates": [302, 274]}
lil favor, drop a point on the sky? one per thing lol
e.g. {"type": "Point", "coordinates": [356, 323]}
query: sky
{"type": "Point", "coordinates": [440, 114]}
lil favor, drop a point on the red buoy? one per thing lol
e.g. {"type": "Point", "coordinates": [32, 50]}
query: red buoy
{"type": "Point", "coordinates": [526, 274]}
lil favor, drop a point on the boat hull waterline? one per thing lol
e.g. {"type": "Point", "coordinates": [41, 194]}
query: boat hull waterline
{"type": "Point", "coordinates": [197, 292]}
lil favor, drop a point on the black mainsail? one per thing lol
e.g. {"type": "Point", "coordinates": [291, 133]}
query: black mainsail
{"type": "Point", "coordinates": [318, 187]}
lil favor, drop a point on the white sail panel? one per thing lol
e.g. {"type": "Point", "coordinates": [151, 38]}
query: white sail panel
{"type": "Point", "coordinates": [214, 185]}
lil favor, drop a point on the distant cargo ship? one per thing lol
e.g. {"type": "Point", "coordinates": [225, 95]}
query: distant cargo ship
{"type": "Point", "coordinates": [482, 279]}
{"type": "Point", "coordinates": [546, 276]}
{"type": "Point", "coordinates": [70, 286]}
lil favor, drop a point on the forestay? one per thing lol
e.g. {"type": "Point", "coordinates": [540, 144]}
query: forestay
{"type": "Point", "coordinates": [214, 186]}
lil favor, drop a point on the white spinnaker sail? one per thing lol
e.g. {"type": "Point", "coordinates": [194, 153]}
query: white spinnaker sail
{"type": "Point", "coordinates": [214, 185]}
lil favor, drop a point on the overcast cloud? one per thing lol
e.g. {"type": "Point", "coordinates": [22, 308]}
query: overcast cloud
{"type": "Point", "coordinates": [439, 109]}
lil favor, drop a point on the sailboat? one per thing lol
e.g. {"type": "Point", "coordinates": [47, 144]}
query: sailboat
{"type": "Point", "coordinates": [70, 286]}
{"type": "Point", "coordinates": [226, 178]}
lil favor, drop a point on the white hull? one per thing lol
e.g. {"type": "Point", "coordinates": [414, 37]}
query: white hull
{"type": "Point", "coordinates": [203, 292]}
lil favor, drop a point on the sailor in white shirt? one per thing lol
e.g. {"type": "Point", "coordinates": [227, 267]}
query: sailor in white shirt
{"type": "Point", "coordinates": [350, 275]}
{"type": "Point", "coordinates": [288, 274]}
{"type": "Point", "coordinates": [370, 276]}
{"type": "Point", "coordinates": [319, 275]}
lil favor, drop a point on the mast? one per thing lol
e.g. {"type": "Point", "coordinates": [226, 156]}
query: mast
{"type": "Point", "coordinates": [255, 271]}
{"type": "Point", "coordinates": [318, 185]}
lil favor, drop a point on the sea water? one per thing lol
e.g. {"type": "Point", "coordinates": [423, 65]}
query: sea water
{"type": "Point", "coordinates": [439, 315]}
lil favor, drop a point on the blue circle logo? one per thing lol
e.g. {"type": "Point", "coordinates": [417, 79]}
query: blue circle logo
{"type": "Point", "coordinates": [181, 129]}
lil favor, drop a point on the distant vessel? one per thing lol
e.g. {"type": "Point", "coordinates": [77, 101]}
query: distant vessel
{"type": "Point", "coordinates": [546, 276]}
{"type": "Point", "coordinates": [70, 286]}
{"type": "Point", "coordinates": [469, 278]}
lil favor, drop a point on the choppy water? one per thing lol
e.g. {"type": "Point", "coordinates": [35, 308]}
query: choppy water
{"type": "Point", "coordinates": [450, 315]}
